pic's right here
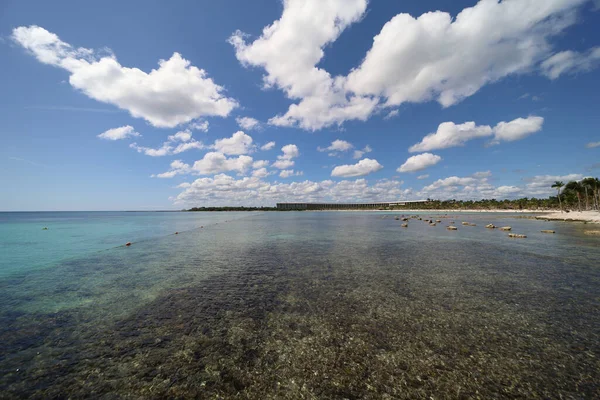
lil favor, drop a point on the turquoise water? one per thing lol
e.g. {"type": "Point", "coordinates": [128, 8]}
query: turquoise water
{"type": "Point", "coordinates": [24, 243]}
{"type": "Point", "coordinates": [302, 305]}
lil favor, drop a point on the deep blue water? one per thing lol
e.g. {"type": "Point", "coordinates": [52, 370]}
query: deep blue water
{"type": "Point", "coordinates": [296, 305]}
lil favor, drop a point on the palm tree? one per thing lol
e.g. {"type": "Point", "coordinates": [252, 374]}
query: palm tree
{"type": "Point", "coordinates": [577, 188]}
{"type": "Point", "coordinates": [558, 185]}
{"type": "Point", "coordinates": [588, 183]}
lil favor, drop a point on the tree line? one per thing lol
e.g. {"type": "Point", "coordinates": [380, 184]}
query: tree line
{"type": "Point", "coordinates": [575, 195]}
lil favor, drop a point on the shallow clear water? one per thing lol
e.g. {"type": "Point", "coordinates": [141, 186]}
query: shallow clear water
{"type": "Point", "coordinates": [25, 244]}
{"type": "Point", "coordinates": [311, 305]}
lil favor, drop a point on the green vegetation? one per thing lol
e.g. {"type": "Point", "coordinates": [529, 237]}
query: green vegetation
{"type": "Point", "coordinates": [575, 195]}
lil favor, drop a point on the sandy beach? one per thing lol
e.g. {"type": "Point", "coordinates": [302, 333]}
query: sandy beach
{"type": "Point", "coordinates": [583, 216]}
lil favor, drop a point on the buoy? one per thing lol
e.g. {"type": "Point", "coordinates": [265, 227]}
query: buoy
{"type": "Point", "coordinates": [128, 244]}
{"type": "Point", "coordinates": [177, 233]}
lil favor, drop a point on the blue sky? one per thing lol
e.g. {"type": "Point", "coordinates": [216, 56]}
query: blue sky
{"type": "Point", "coordinates": [266, 101]}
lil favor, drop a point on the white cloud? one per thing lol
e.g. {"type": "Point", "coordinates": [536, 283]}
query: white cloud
{"type": "Point", "coordinates": [392, 114]}
{"type": "Point", "coordinates": [592, 145]}
{"type": "Point", "coordinates": [540, 185]}
{"type": "Point", "coordinates": [419, 162]}
{"type": "Point", "coordinates": [447, 59]}
{"type": "Point", "coordinates": [286, 173]}
{"type": "Point", "coordinates": [211, 163]}
{"type": "Point", "coordinates": [289, 51]}
{"type": "Point", "coordinates": [260, 164]}
{"type": "Point", "coordinates": [432, 57]}
{"type": "Point", "coordinates": [362, 168]}
{"type": "Point", "coordinates": [450, 134]}
{"type": "Point", "coordinates": [285, 161]}
{"type": "Point", "coordinates": [199, 126]}
{"type": "Point", "coordinates": [289, 151]}
{"type": "Point", "coordinates": [517, 129]}
{"type": "Point", "coordinates": [226, 190]}
{"type": "Point", "coordinates": [261, 173]}
{"type": "Point", "coordinates": [571, 62]}
{"type": "Point", "coordinates": [477, 186]}
{"type": "Point", "coordinates": [247, 123]}
{"type": "Point", "coordinates": [267, 146]}
{"type": "Point", "coordinates": [359, 153]}
{"type": "Point", "coordinates": [175, 144]}
{"type": "Point", "coordinates": [421, 177]}
{"type": "Point", "coordinates": [215, 162]}
{"type": "Point", "coordinates": [238, 143]}
{"type": "Point", "coordinates": [175, 93]}
{"type": "Point", "coordinates": [119, 133]}
{"type": "Point", "coordinates": [177, 167]}
{"type": "Point", "coordinates": [283, 164]}
{"type": "Point", "coordinates": [336, 147]}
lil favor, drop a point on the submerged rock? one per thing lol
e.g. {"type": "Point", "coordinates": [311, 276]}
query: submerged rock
{"type": "Point", "coordinates": [452, 228]}
{"type": "Point", "coordinates": [516, 235]}
{"type": "Point", "coordinates": [465, 223]}
{"type": "Point", "coordinates": [505, 228]}
{"type": "Point", "coordinates": [592, 232]}
{"type": "Point", "coordinates": [404, 225]}
{"type": "Point", "coordinates": [432, 224]}
{"type": "Point", "coordinates": [547, 231]}
{"type": "Point", "coordinates": [491, 226]}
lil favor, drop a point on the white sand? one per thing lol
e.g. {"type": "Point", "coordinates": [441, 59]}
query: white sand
{"type": "Point", "coordinates": [587, 216]}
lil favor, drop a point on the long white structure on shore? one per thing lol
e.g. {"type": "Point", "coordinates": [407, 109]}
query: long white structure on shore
{"type": "Point", "coordinates": [345, 206]}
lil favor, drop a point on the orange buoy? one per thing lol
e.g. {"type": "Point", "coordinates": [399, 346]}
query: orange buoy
{"type": "Point", "coordinates": [128, 244]}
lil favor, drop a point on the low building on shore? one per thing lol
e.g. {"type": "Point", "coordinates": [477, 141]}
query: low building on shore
{"type": "Point", "coordinates": [351, 206]}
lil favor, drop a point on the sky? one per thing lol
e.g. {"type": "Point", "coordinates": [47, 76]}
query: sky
{"type": "Point", "coordinates": [153, 105]}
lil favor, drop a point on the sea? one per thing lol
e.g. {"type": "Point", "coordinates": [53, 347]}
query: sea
{"type": "Point", "coordinates": [297, 305]}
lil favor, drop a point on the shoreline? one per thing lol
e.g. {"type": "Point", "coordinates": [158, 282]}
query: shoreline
{"type": "Point", "coordinates": [592, 217]}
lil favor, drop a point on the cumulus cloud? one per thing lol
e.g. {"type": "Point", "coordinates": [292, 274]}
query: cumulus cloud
{"type": "Point", "coordinates": [517, 129]}
{"type": "Point", "coordinates": [238, 143]}
{"type": "Point", "coordinates": [337, 146]}
{"type": "Point", "coordinates": [247, 123]}
{"type": "Point", "coordinates": [199, 126]}
{"type": "Point", "coordinates": [419, 162]}
{"type": "Point", "coordinates": [261, 173]}
{"type": "Point", "coordinates": [211, 163]}
{"type": "Point", "coordinates": [361, 168]}
{"type": "Point", "coordinates": [592, 145]}
{"type": "Point", "coordinates": [450, 134]}
{"type": "Point", "coordinates": [286, 173]}
{"type": "Point", "coordinates": [267, 146]}
{"type": "Point", "coordinates": [119, 133]}
{"type": "Point", "coordinates": [175, 144]}
{"type": "Point", "coordinates": [540, 185]}
{"type": "Point", "coordinates": [476, 186]}
{"type": "Point", "coordinates": [226, 190]}
{"type": "Point", "coordinates": [260, 164]}
{"type": "Point", "coordinates": [289, 50]}
{"type": "Point", "coordinates": [571, 62]}
{"type": "Point", "coordinates": [174, 93]}
{"type": "Point", "coordinates": [431, 57]}
{"type": "Point", "coordinates": [421, 177]}
{"type": "Point", "coordinates": [359, 153]}
{"type": "Point", "coordinates": [285, 160]}
{"type": "Point", "coordinates": [447, 59]}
